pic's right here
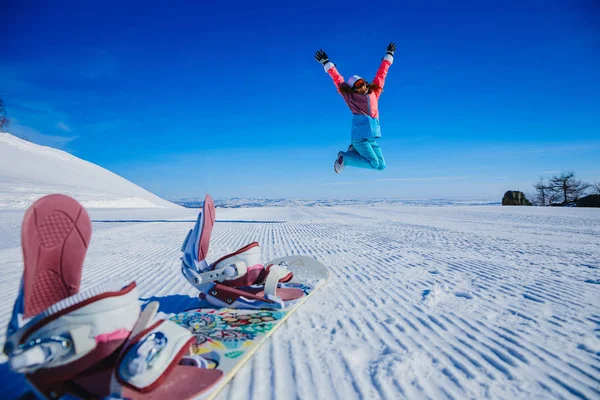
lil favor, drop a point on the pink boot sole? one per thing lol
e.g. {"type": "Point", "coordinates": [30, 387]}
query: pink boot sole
{"type": "Point", "coordinates": [55, 235]}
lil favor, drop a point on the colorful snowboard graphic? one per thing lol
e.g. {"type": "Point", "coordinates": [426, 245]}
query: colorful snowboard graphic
{"type": "Point", "coordinates": [229, 337]}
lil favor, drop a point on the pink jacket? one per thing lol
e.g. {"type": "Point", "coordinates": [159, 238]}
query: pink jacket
{"type": "Point", "coordinates": [364, 107]}
{"type": "Point", "coordinates": [359, 103]}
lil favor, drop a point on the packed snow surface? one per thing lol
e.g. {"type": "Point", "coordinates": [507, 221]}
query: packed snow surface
{"type": "Point", "coordinates": [460, 302]}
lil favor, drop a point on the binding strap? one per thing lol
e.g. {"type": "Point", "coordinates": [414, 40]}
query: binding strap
{"type": "Point", "coordinates": [45, 351]}
{"type": "Point", "coordinates": [228, 272]}
{"type": "Point", "coordinates": [151, 355]}
{"type": "Point", "coordinates": [274, 274]}
{"type": "Point", "coordinates": [73, 329]}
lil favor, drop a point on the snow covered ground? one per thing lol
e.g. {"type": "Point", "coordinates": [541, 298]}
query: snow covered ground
{"type": "Point", "coordinates": [423, 302]}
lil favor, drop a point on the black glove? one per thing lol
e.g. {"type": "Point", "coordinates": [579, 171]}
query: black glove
{"type": "Point", "coordinates": [391, 49]}
{"type": "Point", "coordinates": [321, 57]}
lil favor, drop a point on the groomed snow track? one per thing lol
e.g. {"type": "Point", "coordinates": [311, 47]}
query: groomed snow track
{"type": "Point", "coordinates": [422, 302]}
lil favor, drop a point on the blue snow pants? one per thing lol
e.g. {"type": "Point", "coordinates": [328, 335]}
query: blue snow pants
{"type": "Point", "coordinates": [366, 154]}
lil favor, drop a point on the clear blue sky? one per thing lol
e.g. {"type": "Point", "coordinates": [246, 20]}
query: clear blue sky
{"type": "Point", "coordinates": [226, 98]}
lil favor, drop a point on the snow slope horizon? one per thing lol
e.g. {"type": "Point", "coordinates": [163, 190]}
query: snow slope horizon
{"type": "Point", "coordinates": [29, 171]}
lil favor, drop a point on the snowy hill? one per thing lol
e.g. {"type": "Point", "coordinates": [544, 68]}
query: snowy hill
{"type": "Point", "coordinates": [29, 171]}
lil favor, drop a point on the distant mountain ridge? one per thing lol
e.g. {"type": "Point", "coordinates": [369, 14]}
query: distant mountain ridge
{"type": "Point", "coordinates": [245, 202]}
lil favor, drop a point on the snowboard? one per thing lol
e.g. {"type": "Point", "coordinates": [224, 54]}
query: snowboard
{"type": "Point", "coordinates": [228, 337]}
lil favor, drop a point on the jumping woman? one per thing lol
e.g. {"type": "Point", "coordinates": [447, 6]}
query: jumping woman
{"type": "Point", "coordinates": [362, 97]}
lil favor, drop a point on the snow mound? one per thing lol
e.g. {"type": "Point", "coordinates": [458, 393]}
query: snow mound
{"type": "Point", "coordinates": [29, 171]}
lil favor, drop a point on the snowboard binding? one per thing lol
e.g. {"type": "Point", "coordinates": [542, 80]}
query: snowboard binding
{"type": "Point", "coordinates": [236, 280]}
{"type": "Point", "coordinates": [94, 343]}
